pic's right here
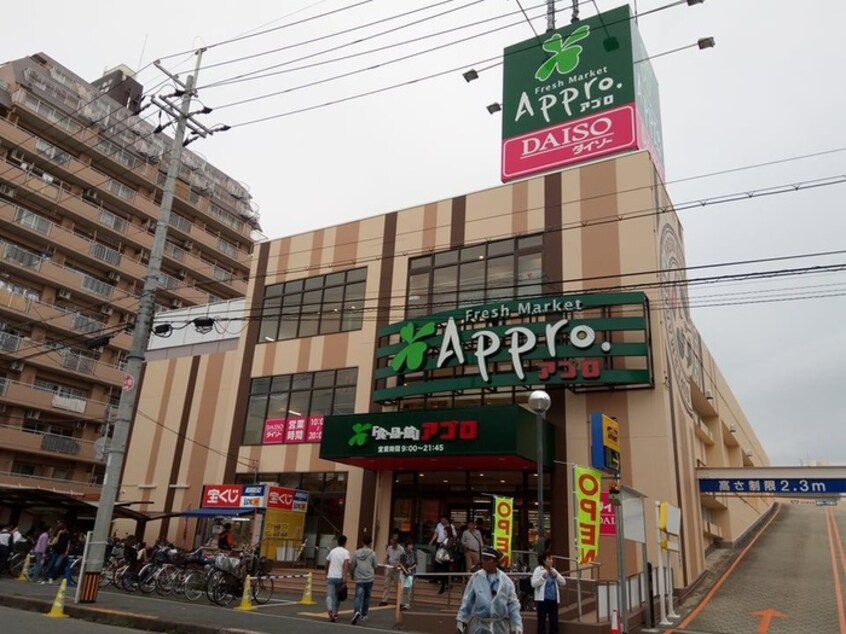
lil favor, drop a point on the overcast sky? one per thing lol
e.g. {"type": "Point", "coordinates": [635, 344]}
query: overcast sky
{"type": "Point", "coordinates": [771, 89]}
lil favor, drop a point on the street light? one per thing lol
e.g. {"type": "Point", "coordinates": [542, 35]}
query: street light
{"type": "Point", "coordinates": [539, 403]}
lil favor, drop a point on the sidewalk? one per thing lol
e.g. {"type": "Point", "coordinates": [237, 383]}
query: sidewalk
{"type": "Point", "coordinates": [157, 614]}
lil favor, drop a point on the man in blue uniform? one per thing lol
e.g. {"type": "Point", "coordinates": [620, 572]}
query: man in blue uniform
{"type": "Point", "coordinates": [490, 604]}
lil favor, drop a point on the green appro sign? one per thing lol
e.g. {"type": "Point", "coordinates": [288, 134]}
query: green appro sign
{"type": "Point", "coordinates": [572, 95]}
{"type": "Point", "coordinates": [579, 340]}
{"type": "Point", "coordinates": [491, 431]}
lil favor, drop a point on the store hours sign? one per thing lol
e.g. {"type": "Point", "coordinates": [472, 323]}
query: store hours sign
{"type": "Point", "coordinates": [573, 340]}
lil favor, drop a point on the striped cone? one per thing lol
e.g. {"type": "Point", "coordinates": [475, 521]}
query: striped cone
{"type": "Point", "coordinates": [246, 598]}
{"type": "Point", "coordinates": [58, 609]}
{"type": "Point", "coordinates": [615, 623]}
{"type": "Point", "coordinates": [24, 576]}
{"type": "Point", "coordinates": [307, 598]}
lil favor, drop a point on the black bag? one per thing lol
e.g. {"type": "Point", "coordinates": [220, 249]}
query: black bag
{"type": "Point", "coordinates": [342, 592]}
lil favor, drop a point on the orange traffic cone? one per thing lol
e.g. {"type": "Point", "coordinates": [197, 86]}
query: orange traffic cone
{"type": "Point", "coordinates": [615, 623]}
{"type": "Point", "coordinates": [58, 609]}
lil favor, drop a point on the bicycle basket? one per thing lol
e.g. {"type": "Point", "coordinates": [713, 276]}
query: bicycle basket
{"type": "Point", "coordinates": [229, 564]}
{"type": "Point", "coordinates": [265, 566]}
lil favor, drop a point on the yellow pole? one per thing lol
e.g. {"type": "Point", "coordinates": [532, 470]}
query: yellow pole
{"type": "Point", "coordinates": [307, 598]}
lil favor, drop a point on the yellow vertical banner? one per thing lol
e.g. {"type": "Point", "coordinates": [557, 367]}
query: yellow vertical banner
{"type": "Point", "coordinates": [503, 523]}
{"type": "Point", "coordinates": [587, 483]}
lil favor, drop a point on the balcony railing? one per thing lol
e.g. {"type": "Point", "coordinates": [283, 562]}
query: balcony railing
{"type": "Point", "coordinates": [69, 403]}
{"type": "Point", "coordinates": [109, 219]}
{"type": "Point", "coordinates": [9, 342]}
{"type": "Point", "coordinates": [32, 220]}
{"type": "Point", "coordinates": [96, 286]}
{"type": "Point", "coordinates": [178, 222]}
{"type": "Point", "coordinates": [105, 253]}
{"type": "Point", "coordinates": [76, 362]}
{"type": "Point", "coordinates": [22, 256]}
{"type": "Point", "coordinates": [60, 444]}
{"type": "Point", "coordinates": [84, 324]}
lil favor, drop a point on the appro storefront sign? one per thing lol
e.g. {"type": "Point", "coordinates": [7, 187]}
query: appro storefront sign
{"type": "Point", "coordinates": [587, 340]}
{"type": "Point", "coordinates": [417, 436]}
{"type": "Point", "coordinates": [581, 92]}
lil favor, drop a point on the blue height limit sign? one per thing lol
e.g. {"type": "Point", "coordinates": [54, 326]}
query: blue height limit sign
{"type": "Point", "coordinates": [789, 486]}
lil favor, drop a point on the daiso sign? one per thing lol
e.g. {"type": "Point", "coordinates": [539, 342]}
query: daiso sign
{"type": "Point", "coordinates": [578, 93]}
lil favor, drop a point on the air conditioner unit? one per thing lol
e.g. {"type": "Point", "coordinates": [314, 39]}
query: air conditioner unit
{"type": "Point", "coordinates": [16, 366]}
{"type": "Point", "coordinates": [182, 273]}
{"type": "Point", "coordinates": [6, 190]}
{"type": "Point", "coordinates": [177, 303]}
{"type": "Point", "coordinates": [64, 294]}
{"type": "Point", "coordinates": [107, 310]}
{"type": "Point", "coordinates": [34, 414]}
{"type": "Point", "coordinates": [80, 424]}
{"type": "Point", "coordinates": [90, 194]}
{"type": "Point", "coordinates": [18, 155]}
{"type": "Point", "coordinates": [188, 245]}
{"type": "Point", "coordinates": [114, 276]}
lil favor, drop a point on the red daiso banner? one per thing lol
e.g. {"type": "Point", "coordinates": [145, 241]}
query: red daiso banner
{"type": "Point", "coordinates": [575, 141]}
{"type": "Point", "coordinates": [300, 429]}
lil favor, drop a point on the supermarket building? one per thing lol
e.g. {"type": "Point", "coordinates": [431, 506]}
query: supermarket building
{"type": "Point", "coordinates": [382, 365]}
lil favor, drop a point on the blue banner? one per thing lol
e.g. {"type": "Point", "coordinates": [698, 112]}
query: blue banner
{"type": "Point", "coordinates": [790, 486]}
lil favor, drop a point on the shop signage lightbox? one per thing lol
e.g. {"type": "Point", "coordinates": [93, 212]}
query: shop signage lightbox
{"type": "Point", "coordinates": [256, 496]}
{"type": "Point", "coordinates": [581, 92]}
{"type": "Point", "coordinates": [503, 435]}
{"type": "Point", "coordinates": [590, 340]}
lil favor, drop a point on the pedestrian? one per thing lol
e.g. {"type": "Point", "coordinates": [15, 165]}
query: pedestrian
{"type": "Point", "coordinates": [58, 552]}
{"type": "Point", "coordinates": [40, 552]}
{"type": "Point", "coordinates": [471, 540]}
{"type": "Point", "coordinates": [408, 565]}
{"type": "Point", "coordinates": [546, 580]}
{"type": "Point", "coordinates": [392, 558]}
{"type": "Point", "coordinates": [490, 602]}
{"type": "Point", "coordinates": [363, 572]}
{"type": "Point", "coordinates": [224, 540]}
{"type": "Point", "coordinates": [5, 546]}
{"type": "Point", "coordinates": [337, 572]}
{"type": "Point", "coordinates": [443, 536]}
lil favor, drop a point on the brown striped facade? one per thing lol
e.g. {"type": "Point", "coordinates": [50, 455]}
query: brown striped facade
{"type": "Point", "coordinates": [604, 225]}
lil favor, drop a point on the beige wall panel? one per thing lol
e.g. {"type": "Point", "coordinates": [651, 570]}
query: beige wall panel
{"type": "Point", "coordinates": [535, 209]}
{"type": "Point", "coordinates": [571, 235]}
{"type": "Point", "coordinates": [488, 214]}
{"type": "Point", "coordinates": [443, 227]}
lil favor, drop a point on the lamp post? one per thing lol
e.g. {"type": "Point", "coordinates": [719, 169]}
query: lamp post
{"type": "Point", "coordinates": [539, 403]}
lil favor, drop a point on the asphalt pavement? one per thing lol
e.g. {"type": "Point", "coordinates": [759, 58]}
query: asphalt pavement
{"type": "Point", "coordinates": [22, 622]}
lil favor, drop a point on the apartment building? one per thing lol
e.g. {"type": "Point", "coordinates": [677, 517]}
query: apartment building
{"type": "Point", "coordinates": [81, 177]}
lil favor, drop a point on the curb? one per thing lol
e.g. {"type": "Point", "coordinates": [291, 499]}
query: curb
{"type": "Point", "coordinates": [115, 617]}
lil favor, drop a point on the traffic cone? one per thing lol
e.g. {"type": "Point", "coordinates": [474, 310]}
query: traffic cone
{"type": "Point", "coordinates": [24, 576]}
{"type": "Point", "coordinates": [246, 598]}
{"type": "Point", "coordinates": [307, 598]}
{"type": "Point", "coordinates": [58, 609]}
{"type": "Point", "coordinates": [615, 623]}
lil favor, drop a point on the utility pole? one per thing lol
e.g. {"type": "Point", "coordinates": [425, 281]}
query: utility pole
{"type": "Point", "coordinates": [550, 15]}
{"type": "Point", "coordinates": [116, 452]}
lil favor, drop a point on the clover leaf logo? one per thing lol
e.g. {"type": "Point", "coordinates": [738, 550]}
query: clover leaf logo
{"type": "Point", "coordinates": [565, 55]}
{"type": "Point", "coordinates": [359, 436]}
{"type": "Point", "coordinates": [413, 353]}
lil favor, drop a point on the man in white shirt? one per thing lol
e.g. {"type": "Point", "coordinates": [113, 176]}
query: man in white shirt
{"type": "Point", "coordinates": [337, 572]}
{"type": "Point", "coordinates": [5, 545]}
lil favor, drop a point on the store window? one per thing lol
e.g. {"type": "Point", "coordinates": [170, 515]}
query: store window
{"type": "Point", "coordinates": [477, 274]}
{"type": "Point", "coordinates": [319, 305]}
{"type": "Point", "coordinates": [306, 395]}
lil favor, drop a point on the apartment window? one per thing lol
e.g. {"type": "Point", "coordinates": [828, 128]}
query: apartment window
{"type": "Point", "coordinates": [298, 397]}
{"type": "Point", "coordinates": [180, 222]}
{"type": "Point", "coordinates": [109, 219]}
{"type": "Point", "coordinates": [119, 189]}
{"type": "Point", "coordinates": [23, 468]}
{"type": "Point", "coordinates": [32, 220]}
{"type": "Point", "coordinates": [476, 274]}
{"type": "Point", "coordinates": [105, 253]}
{"type": "Point", "coordinates": [314, 306]}
{"type": "Point", "coordinates": [53, 153]}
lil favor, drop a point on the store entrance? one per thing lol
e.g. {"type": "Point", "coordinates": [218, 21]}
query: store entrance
{"type": "Point", "coordinates": [420, 499]}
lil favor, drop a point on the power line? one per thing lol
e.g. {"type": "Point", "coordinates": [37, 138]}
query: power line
{"type": "Point", "coordinates": [266, 31]}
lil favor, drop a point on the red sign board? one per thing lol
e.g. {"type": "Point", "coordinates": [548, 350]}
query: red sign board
{"type": "Point", "coordinates": [295, 430]}
{"type": "Point", "coordinates": [222, 496]}
{"type": "Point", "coordinates": [274, 431]}
{"type": "Point", "coordinates": [574, 141]}
{"type": "Point", "coordinates": [607, 518]}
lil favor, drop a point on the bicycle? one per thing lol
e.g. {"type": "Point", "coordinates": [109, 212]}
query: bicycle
{"type": "Point", "coordinates": [226, 581]}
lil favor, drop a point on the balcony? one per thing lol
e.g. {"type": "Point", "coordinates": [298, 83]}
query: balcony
{"type": "Point", "coordinates": [71, 487]}
{"type": "Point", "coordinates": [61, 359]}
{"type": "Point", "coordinates": [46, 444]}
{"type": "Point", "coordinates": [27, 396]}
